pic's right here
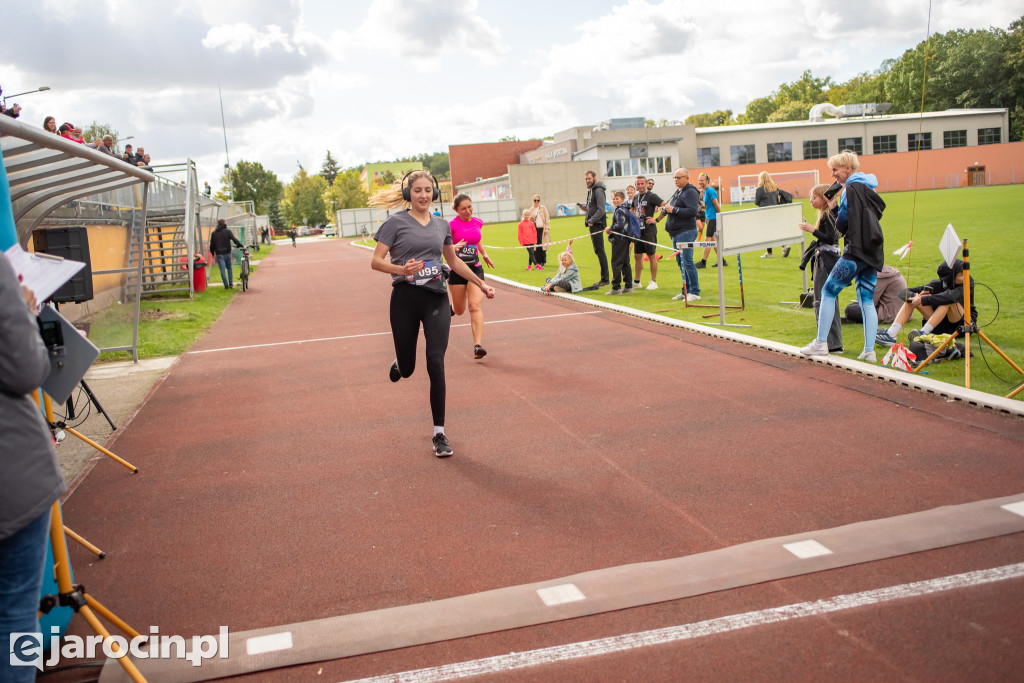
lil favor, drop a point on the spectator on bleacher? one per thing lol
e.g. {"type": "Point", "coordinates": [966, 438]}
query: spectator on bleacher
{"type": "Point", "coordinates": [145, 162]}
{"type": "Point", "coordinates": [78, 134]}
{"type": "Point", "coordinates": [106, 145]}
{"type": "Point", "coordinates": [67, 131]}
{"type": "Point", "coordinates": [15, 109]}
{"type": "Point", "coordinates": [206, 191]}
{"type": "Point", "coordinates": [50, 125]}
{"type": "Point", "coordinates": [129, 155]}
{"type": "Point", "coordinates": [138, 156]}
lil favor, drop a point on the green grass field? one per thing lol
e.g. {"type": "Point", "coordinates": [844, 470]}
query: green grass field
{"type": "Point", "coordinates": [988, 217]}
{"type": "Point", "coordinates": [168, 324]}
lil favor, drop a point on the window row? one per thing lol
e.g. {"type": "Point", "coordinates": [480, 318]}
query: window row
{"type": "Point", "coordinates": [619, 168]}
{"type": "Point", "coordinates": [818, 149]}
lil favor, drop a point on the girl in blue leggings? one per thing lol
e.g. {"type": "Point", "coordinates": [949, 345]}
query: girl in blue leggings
{"type": "Point", "coordinates": [860, 209]}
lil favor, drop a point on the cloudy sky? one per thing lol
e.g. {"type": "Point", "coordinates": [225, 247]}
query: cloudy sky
{"type": "Point", "coordinates": [377, 79]}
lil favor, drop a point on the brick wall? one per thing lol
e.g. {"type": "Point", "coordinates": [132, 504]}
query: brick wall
{"type": "Point", "coordinates": [485, 160]}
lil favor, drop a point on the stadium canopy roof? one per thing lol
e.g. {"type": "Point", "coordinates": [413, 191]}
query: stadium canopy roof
{"type": "Point", "coordinates": [46, 171]}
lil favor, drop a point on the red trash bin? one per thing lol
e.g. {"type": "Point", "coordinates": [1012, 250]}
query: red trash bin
{"type": "Point", "coordinates": [198, 273]}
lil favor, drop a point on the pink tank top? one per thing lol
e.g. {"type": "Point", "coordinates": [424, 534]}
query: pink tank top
{"type": "Point", "coordinates": [471, 232]}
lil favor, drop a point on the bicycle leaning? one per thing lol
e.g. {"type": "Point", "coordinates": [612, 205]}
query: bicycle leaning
{"type": "Point", "coordinates": [243, 267]}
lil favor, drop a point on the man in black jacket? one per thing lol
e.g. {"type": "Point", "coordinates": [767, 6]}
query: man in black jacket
{"type": "Point", "coordinates": [220, 247]}
{"type": "Point", "coordinates": [596, 220]}
{"type": "Point", "coordinates": [682, 210]}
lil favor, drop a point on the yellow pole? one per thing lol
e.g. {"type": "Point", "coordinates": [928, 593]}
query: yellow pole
{"type": "Point", "coordinates": [967, 317]}
{"type": "Point", "coordinates": [62, 569]}
{"type": "Point", "coordinates": [84, 543]}
{"type": "Point", "coordinates": [101, 449]}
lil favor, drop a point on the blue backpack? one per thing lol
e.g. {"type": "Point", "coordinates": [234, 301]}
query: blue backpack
{"type": "Point", "coordinates": [634, 228]}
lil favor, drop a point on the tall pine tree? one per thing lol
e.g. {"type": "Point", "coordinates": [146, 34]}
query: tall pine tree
{"type": "Point", "coordinates": [330, 169]}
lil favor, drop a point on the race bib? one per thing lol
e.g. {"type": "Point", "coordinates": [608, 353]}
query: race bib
{"type": "Point", "coordinates": [432, 270]}
{"type": "Point", "coordinates": [468, 253]}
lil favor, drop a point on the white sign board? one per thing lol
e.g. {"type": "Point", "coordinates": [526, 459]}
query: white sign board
{"type": "Point", "coordinates": [768, 226]}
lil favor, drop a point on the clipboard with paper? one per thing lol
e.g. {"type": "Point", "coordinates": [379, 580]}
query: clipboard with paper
{"type": "Point", "coordinates": [42, 273]}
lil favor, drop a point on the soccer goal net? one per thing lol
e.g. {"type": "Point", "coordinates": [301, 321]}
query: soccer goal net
{"type": "Point", "coordinates": [797, 183]}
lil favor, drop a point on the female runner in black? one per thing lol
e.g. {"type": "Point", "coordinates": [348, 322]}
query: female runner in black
{"type": "Point", "coordinates": [410, 247]}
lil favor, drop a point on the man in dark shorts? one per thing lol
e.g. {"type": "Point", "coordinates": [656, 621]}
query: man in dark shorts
{"type": "Point", "coordinates": [645, 205]}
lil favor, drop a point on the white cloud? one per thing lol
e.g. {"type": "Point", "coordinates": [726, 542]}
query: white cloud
{"type": "Point", "coordinates": [378, 79]}
{"type": "Point", "coordinates": [424, 31]}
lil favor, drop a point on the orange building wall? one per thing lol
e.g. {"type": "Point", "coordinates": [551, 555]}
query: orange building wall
{"type": "Point", "coordinates": [938, 168]}
{"type": "Point", "coordinates": [485, 160]}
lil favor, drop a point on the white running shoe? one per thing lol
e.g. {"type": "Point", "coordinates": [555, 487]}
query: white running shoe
{"type": "Point", "coordinates": [868, 357]}
{"type": "Point", "coordinates": [693, 297]}
{"type": "Point", "coordinates": [652, 285]}
{"type": "Point", "coordinates": [815, 348]}
{"type": "Point", "coordinates": [679, 297]}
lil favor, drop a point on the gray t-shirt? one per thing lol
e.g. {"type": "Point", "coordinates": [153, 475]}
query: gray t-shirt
{"type": "Point", "coordinates": [408, 240]}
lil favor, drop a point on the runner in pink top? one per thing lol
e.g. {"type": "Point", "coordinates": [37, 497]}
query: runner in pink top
{"type": "Point", "coordinates": [466, 234]}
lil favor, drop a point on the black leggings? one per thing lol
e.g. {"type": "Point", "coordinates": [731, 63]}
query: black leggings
{"type": "Point", "coordinates": [410, 306]}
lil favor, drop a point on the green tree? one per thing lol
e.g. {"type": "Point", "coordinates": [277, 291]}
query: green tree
{"type": "Point", "coordinates": [274, 214]}
{"type": "Point", "coordinates": [758, 111]}
{"type": "Point", "coordinates": [437, 163]}
{"type": "Point", "coordinates": [387, 178]}
{"type": "Point", "coordinates": [252, 182]}
{"type": "Point", "coordinates": [508, 138]}
{"type": "Point", "coordinates": [794, 110]}
{"type": "Point", "coordinates": [1013, 59]}
{"type": "Point", "coordinates": [972, 72]}
{"type": "Point", "coordinates": [807, 88]}
{"type": "Point", "coordinates": [304, 198]}
{"type": "Point", "coordinates": [864, 87]}
{"type": "Point", "coordinates": [95, 132]}
{"type": "Point", "coordinates": [330, 169]}
{"type": "Point", "coordinates": [722, 117]}
{"type": "Point", "coordinates": [347, 191]}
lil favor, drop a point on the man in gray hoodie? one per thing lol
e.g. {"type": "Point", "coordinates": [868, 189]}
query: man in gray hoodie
{"type": "Point", "coordinates": [30, 479]}
{"type": "Point", "coordinates": [596, 221]}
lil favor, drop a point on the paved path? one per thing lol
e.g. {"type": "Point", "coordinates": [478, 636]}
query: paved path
{"type": "Point", "coordinates": [285, 479]}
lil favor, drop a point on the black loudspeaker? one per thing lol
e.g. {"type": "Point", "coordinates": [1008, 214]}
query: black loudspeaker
{"type": "Point", "coordinates": [71, 243]}
{"type": "Point", "coordinates": [407, 194]}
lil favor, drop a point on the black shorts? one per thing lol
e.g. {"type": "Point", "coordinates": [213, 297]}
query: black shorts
{"type": "Point", "coordinates": [456, 279]}
{"type": "Point", "coordinates": [712, 228]}
{"type": "Point", "coordinates": [650, 234]}
{"type": "Point", "coordinates": [945, 326]}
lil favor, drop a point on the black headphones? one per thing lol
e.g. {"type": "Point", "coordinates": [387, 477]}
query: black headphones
{"type": "Point", "coordinates": [407, 194]}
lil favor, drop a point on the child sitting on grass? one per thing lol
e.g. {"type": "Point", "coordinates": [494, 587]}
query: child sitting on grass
{"type": "Point", "coordinates": [567, 279]}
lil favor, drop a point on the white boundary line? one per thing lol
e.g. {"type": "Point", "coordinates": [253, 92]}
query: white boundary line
{"type": "Point", "coordinates": [378, 334]}
{"type": "Point", "coordinates": [931, 386]}
{"type": "Point", "coordinates": [673, 634]}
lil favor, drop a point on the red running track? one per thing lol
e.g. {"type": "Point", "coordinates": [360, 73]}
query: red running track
{"type": "Point", "coordinates": [283, 482]}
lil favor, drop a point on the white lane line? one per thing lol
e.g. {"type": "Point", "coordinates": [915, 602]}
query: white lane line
{"type": "Point", "coordinates": [378, 334]}
{"type": "Point", "coordinates": [630, 641]}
